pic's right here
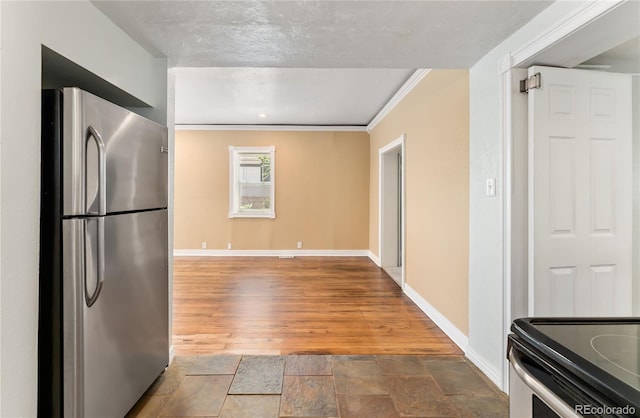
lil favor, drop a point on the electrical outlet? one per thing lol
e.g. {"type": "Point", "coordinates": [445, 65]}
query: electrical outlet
{"type": "Point", "coordinates": [228, 246]}
{"type": "Point", "coordinates": [299, 244]}
{"type": "Point", "coordinates": [204, 245]}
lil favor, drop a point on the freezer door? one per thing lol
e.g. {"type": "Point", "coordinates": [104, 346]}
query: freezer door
{"type": "Point", "coordinates": [113, 160]}
{"type": "Point", "coordinates": [116, 339]}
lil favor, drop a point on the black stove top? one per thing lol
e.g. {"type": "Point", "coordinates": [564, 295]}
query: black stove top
{"type": "Point", "coordinates": [602, 352]}
{"type": "Point", "coordinates": [614, 348]}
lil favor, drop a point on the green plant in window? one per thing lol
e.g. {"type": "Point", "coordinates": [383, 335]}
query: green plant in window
{"type": "Point", "coordinates": [265, 167]}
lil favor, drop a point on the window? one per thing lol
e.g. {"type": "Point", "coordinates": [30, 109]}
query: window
{"type": "Point", "coordinates": [252, 182]}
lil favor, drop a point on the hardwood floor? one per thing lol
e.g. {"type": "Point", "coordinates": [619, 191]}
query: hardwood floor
{"type": "Point", "coordinates": [303, 305]}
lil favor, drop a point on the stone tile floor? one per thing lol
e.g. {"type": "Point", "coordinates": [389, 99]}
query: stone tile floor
{"type": "Point", "coordinates": [316, 386]}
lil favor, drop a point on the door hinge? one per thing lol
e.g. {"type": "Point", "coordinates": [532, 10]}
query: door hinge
{"type": "Point", "coordinates": [533, 82]}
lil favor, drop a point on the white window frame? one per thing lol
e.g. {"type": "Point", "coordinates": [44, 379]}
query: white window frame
{"type": "Point", "coordinates": [234, 207]}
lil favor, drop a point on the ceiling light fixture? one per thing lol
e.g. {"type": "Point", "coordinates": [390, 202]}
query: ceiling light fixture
{"type": "Point", "coordinates": [262, 115]}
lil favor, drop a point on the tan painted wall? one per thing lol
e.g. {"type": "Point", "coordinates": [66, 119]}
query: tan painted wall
{"type": "Point", "coordinates": [435, 118]}
{"type": "Point", "coordinates": [322, 191]}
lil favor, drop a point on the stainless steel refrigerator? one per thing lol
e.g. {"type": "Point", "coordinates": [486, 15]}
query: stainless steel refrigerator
{"type": "Point", "coordinates": [103, 319]}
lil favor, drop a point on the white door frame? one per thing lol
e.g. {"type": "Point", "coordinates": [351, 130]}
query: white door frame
{"type": "Point", "coordinates": [392, 147]}
{"type": "Point", "coordinates": [562, 45]}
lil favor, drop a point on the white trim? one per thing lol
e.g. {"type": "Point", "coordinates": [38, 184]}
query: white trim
{"type": "Point", "coordinates": [530, 220]}
{"type": "Point", "coordinates": [505, 64]}
{"type": "Point", "coordinates": [505, 214]}
{"type": "Point", "coordinates": [391, 145]}
{"type": "Point", "coordinates": [374, 258]}
{"type": "Point", "coordinates": [563, 29]}
{"type": "Point", "coordinates": [255, 150]}
{"type": "Point", "coordinates": [487, 368]}
{"type": "Point", "coordinates": [457, 336]}
{"type": "Point", "coordinates": [270, 253]}
{"type": "Point", "coordinates": [511, 231]}
{"type": "Point", "coordinates": [380, 153]}
{"type": "Point", "coordinates": [172, 353]}
{"type": "Point", "coordinates": [247, 214]}
{"type": "Point", "coordinates": [296, 128]}
{"type": "Point", "coordinates": [439, 319]}
{"type": "Point", "coordinates": [398, 142]}
{"type": "Point", "coordinates": [505, 207]}
{"type": "Point", "coordinates": [234, 209]}
{"type": "Point", "coordinates": [406, 88]}
{"type": "Point", "coordinates": [403, 202]}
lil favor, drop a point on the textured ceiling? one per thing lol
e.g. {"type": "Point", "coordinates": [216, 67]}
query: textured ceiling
{"type": "Point", "coordinates": [287, 43]}
{"type": "Point", "coordinates": [321, 34]}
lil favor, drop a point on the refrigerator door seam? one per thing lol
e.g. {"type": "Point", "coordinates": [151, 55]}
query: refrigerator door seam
{"type": "Point", "coordinates": [74, 254]}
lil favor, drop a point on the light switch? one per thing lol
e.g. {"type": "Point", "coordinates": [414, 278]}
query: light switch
{"type": "Point", "coordinates": [491, 187]}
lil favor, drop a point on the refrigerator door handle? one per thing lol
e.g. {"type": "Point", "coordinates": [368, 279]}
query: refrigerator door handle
{"type": "Point", "coordinates": [102, 171]}
{"type": "Point", "coordinates": [91, 299]}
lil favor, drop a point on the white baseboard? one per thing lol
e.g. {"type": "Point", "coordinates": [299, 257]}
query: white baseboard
{"type": "Point", "coordinates": [456, 336]}
{"type": "Point", "coordinates": [485, 367]}
{"type": "Point", "coordinates": [271, 253]}
{"type": "Point", "coordinates": [374, 258]}
{"type": "Point", "coordinates": [440, 320]}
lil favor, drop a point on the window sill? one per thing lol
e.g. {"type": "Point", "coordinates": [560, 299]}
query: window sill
{"type": "Point", "coordinates": [268, 215]}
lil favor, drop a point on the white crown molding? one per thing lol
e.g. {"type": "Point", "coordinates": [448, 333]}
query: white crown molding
{"type": "Point", "coordinates": [294, 128]}
{"type": "Point", "coordinates": [439, 319]}
{"type": "Point", "coordinates": [406, 88]}
{"type": "Point", "coordinates": [271, 253]}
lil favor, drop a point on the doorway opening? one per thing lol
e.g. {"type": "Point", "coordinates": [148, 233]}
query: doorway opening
{"type": "Point", "coordinates": [573, 50]}
{"type": "Point", "coordinates": [392, 207]}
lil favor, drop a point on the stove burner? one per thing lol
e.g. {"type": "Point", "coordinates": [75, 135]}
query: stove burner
{"type": "Point", "coordinates": [613, 345]}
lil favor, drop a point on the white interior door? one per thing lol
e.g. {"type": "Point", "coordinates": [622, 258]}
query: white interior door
{"type": "Point", "coordinates": [580, 193]}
